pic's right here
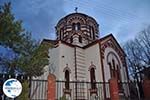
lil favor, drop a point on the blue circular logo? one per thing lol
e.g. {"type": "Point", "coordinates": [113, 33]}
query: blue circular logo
{"type": "Point", "coordinates": [12, 88]}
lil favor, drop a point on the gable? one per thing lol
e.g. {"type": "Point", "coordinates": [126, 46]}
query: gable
{"type": "Point", "coordinates": [110, 41]}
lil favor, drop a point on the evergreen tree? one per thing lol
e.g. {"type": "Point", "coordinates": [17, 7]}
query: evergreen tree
{"type": "Point", "coordinates": [30, 56]}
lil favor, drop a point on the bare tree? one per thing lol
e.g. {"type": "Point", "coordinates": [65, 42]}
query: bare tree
{"type": "Point", "coordinates": [138, 55]}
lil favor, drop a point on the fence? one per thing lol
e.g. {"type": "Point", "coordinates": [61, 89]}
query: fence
{"type": "Point", "coordinates": [34, 89]}
{"type": "Point", "coordinates": [38, 90]}
{"type": "Point", "coordinates": [80, 90]}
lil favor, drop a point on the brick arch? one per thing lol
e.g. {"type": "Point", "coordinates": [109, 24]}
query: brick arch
{"type": "Point", "coordinates": [92, 24]}
{"type": "Point", "coordinates": [112, 45]}
{"type": "Point", "coordinates": [113, 55]}
{"type": "Point", "coordinates": [115, 66]}
{"type": "Point", "coordinates": [76, 19]}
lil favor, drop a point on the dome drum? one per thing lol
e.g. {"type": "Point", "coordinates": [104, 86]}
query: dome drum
{"type": "Point", "coordinates": [84, 25]}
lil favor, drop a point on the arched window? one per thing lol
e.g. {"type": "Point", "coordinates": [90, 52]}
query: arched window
{"type": "Point", "coordinates": [118, 73]}
{"type": "Point", "coordinates": [93, 80]}
{"type": "Point", "coordinates": [93, 33]}
{"type": "Point", "coordinates": [114, 69]}
{"type": "Point", "coordinates": [119, 78]}
{"type": "Point", "coordinates": [61, 33]}
{"type": "Point", "coordinates": [67, 79]}
{"type": "Point", "coordinates": [73, 26]}
{"type": "Point", "coordinates": [78, 26]}
{"type": "Point", "coordinates": [80, 39]}
{"type": "Point", "coordinates": [111, 69]}
{"type": "Point", "coordinates": [90, 31]}
{"type": "Point", "coordinates": [115, 66]}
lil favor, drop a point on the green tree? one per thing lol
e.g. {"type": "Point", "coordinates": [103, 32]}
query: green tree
{"type": "Point", "coordinates": [30, 56]}
{"type": "Point", "coordinates": [10, 28]}
{"type": "Point", "coordinates": [34, 62]}
{"type": "Point", "coordinates": [25, 91]}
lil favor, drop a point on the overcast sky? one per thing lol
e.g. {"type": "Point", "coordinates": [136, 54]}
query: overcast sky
{"type": "Point", "coordinates": [123, 18]}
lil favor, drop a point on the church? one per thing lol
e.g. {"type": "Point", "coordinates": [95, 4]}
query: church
{"type": "Point", "coordinates": [80, 56]}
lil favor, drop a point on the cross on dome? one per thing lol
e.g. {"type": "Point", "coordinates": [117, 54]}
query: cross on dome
{"type": "Point", "coordinates": [76, 9]}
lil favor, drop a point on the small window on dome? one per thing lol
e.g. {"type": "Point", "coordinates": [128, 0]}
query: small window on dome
{"type": "Point", "coordinates": [61, 33]}
{"type": "Point", "coordinates": [93, 33]}
{"type": "Point", "coordinates": [90, 31]}
{"type": "Point", "coordinates": [71, 39]}
{"type": "Point", "coordinates": [80, 39]}
{"type": "Point", "coordinates": [73, 26]}
{"type": "Point", "coordinates": [78, 26]}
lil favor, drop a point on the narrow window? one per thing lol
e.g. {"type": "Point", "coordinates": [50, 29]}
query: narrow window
{"type": "Point", "coordinates": [73, 26]}
{"type": "Point", "coordinates": [67, 79]}
{"type": "Point", "coordinates": [119, 78]}
{"type": "Point", "coordinates": [90, 31]}
{"type": "Point", "coordinates": [80, 39]}
{"type": "Point", "coordinates": [114, 71]}
{"type": "Point", "coordinates": [78, 26]}
{"type": "Point", "coordinates": [71, 39]}
{"type": "Point", "coordinates": [93, 81]}
{"type": "Point", "coordinates": [93, 33]}
{"type": "Point", "coordinates": [111, 69]}
{"type": "Point", "coordinates": [61, 33]}
{"type": "Point", "coordinates": [118, 73]}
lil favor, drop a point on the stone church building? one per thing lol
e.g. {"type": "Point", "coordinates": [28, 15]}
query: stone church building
{"type": "Point", "coordinates": [80, 55]}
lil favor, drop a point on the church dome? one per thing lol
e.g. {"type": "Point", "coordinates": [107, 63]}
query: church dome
{"type": "Point", "coordinates": [77, 23]}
